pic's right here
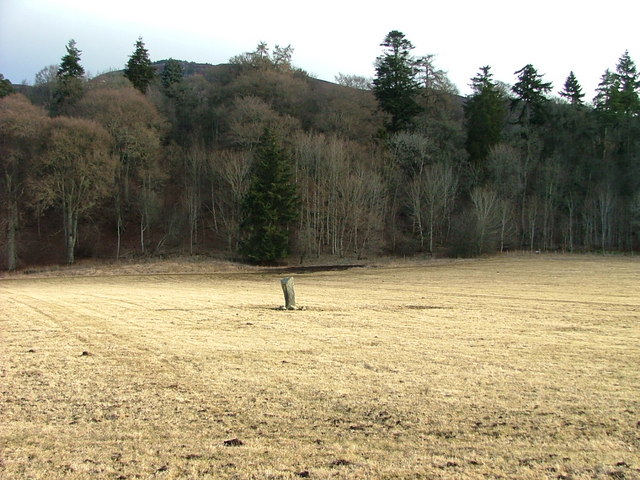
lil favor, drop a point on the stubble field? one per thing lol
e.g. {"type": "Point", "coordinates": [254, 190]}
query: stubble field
{"type": "Point", "coordinates": [522, 367]}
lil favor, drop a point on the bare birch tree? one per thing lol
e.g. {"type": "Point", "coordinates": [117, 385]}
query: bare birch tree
{"type": "Point", "coordinates": [193, 161]}
{"type": "Point", "coordinates": [229, 176]}
{"type": "Point", "coordinates": [341, 198]}
{"type": "Point", "coordinates": [440, 188]}
{"type": "Point", "coordinates": [605, 201]}
{"type": "Point", "coordinates": [485, 203]}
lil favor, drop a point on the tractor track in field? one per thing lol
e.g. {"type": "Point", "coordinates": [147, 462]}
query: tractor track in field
{"type": "Point", "coordinates": [94, 331]}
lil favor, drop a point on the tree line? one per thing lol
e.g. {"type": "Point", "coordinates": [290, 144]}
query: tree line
{"type": "Point", "coordinates": [257, 160]}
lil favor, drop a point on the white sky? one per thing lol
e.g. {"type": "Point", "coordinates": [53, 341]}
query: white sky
{"type": "Point", "coordinates": [330, 36]}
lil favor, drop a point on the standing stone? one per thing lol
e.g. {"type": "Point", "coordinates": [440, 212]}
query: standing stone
{"type": "Point", "coordinates": [289, 293]}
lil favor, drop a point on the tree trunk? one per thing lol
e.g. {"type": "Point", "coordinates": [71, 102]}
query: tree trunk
{"type": "Point", "coordinates": [71, 232]}
{"type": "Point", "coordinates": [571, 226]}
{"type": "Point", "coordinates": [431, 228]}
{"type": "Point", "coordinates": [12, 228]}
{"type": "Point", "coordinates": [71, 242]}
{"type": "Point", "coordinates": [142, 229]}
{"type": "Point", "coordinates": [503, 222]}
{"type": "Point", "coordinates": [119, 232]}
{"type": "Point", "coordinates": [213, 208]}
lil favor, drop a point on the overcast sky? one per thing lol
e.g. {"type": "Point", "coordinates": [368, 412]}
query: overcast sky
{"type": "Point", "coordinates": [328, 36]}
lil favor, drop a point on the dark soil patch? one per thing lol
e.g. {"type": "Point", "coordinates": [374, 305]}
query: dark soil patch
{"type": "Point", "coordinates": [317, 268]}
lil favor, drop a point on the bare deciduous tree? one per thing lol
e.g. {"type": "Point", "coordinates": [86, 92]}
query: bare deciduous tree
{"type": "Point", "coordinates": [249, 117]}
{"type": "Point", "coordinates": [193, 166]}
{"type": "Point", "coordinates": [605, 202]}
{"type": "Point", "coordinates": [440, 188]}
{"type": "Point", "coordinates": [341, 199]}
{"type": "Point", "coordinates": [228, 174]}
{"type": "Point", "coordinates": [76, 172]}
{"type": "Point", "coordinates": [354, 81]}
{"type": "Point", "coordinates": [487, 214]}
{"type": "Point", "coordinates": [550, 180]}
{"type": "Point", "coordinates": [21, 133]}
{"type": "Point", "coordinates": [135, 126]}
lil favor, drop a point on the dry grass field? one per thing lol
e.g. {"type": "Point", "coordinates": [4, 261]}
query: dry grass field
{"type": "Point", "coordinates": [523, 367]}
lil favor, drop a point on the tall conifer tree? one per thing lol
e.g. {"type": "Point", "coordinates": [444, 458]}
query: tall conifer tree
{"type": "Point", "coordinates": [271, 204]}
{"type": "Point", "coordinates": [139, 69]}
{"type": "Point", "coordinates": [485, 112]}
{"type": "Point", "coordinates": [629, 83]}
{"type": "Point", "coordinates": [572, 90]}
{"type": "Point", "coordinates": [607, 93]}
{"type": "Point", "coordinates": [530, 93]}
{"type": "Point", "coordinates": [396, 85]}
{"type": "Point", "coordinates": [617, 96]}
{"type": "Point", "coordinates": [70, 77]}
{"type": "Point", "coordinates": [171, 77]}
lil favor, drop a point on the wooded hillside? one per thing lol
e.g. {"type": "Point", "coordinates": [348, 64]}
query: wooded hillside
{"type": "Point", "coordinates": [171, 158]}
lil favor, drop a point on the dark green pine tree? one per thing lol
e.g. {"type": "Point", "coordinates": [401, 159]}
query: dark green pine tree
{"type": "Point", "coordinates": [171, 78]}
{"type": "Point", "coordinates": [396, 85]}
{"type": "Point", "coordinates": [5, 86]}
{"type": "Point", "coordinates": [485, 113]}
{"type": "Point", "coordinates": [629, 82]}
{"type": "Point", "coordinates": [270, 205]}
{"type": "Point", "coordinates": [530, 98]}
{"type": "Point", "coordinates": [572, 90]}
{"type": "Point", "coordinates": [70, 65]}
{"type": "Point", "coordinates": [139, 70]}
{"type": "Point", "coordinates": [171, 73]}
{"type": "Point", "coordinates": [618, 107]}
{"type": "Point", "coordinates": [69, 80]}
{"type": "Point", "coordinates": [606, 98]}
{"type": "Point", "coordinates": [617, 98]}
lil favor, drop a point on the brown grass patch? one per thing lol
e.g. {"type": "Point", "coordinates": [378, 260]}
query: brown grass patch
{"type": "Point", "coordinates": [514, 367]}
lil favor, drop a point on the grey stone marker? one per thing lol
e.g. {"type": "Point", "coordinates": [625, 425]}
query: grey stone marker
{"type": "Point", "coordinates": [289, 293]}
